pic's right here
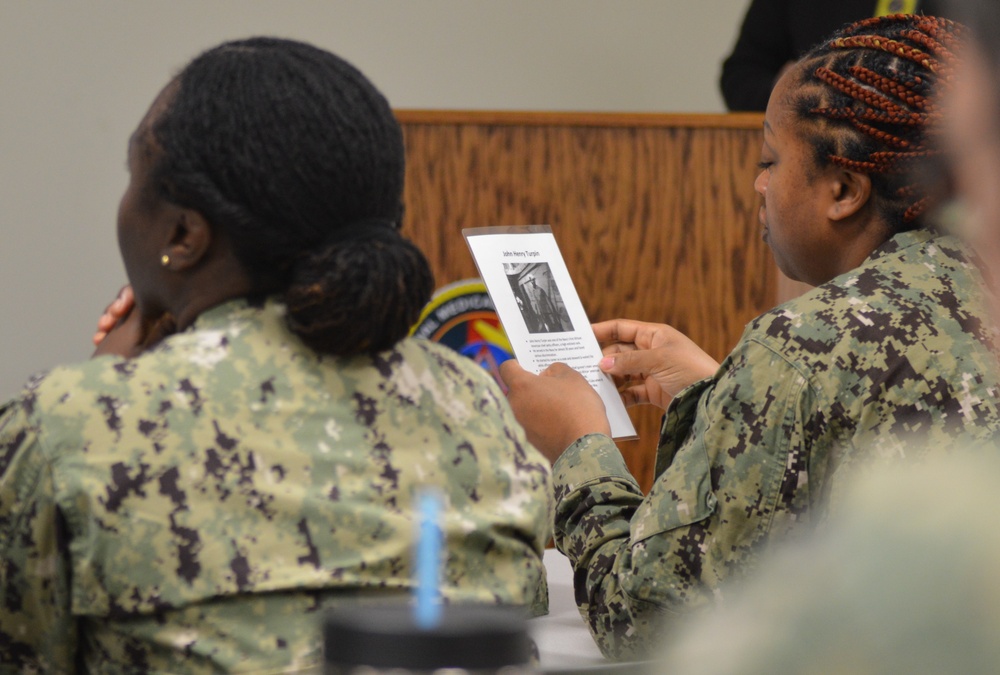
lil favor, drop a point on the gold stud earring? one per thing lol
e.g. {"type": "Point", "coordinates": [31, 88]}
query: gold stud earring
{"type": "Point", "coordinates": [164, 260]}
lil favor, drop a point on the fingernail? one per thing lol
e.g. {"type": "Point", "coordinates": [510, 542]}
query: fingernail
{"type": "Point", "coordinates": [607, 363]}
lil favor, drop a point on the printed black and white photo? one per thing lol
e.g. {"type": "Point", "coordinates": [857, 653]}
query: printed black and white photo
{"type": "Point", "coordinates": [538, 297]}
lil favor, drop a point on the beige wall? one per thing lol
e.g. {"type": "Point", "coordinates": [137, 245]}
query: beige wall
{"type": "Point", "coordinates": [77, 76]}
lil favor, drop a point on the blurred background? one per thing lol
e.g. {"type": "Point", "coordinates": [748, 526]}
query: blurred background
{"type": "Point", "coordinates": [77, 77]}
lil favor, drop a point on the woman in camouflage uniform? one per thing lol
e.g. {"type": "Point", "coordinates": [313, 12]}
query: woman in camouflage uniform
{"type": "Point", "coordinates": [194, 507]}
{"type": "Point", "coordinates": [888, 357]}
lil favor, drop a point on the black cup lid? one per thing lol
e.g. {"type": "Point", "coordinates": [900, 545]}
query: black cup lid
{"type": "Point", "coordinates": [468, 636]}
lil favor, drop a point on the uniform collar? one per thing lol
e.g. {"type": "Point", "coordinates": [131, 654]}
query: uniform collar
{"type": "Point", "coordinates": [903, 240]}
{"type": "Point", "coordinates": [235, 309]}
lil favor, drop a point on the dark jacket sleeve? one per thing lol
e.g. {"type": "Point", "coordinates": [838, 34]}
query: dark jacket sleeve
{"type": "Point", "coordinates": [775, 32]}
{"type": "Point", "coordinates": [762, 48]}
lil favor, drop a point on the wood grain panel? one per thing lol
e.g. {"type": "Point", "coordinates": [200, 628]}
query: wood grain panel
{"type": "Point", "coordinates": [656, 215]}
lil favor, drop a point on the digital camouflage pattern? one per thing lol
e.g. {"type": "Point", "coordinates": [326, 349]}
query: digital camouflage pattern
{"type": "Point", "coordinates": [888, 361]}
{"type": "Point", "coordinates": [198, 506]}
{"type": "Point", "coordinates": [899, 581]}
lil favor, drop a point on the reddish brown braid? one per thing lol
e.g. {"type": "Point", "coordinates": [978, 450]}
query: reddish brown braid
{"type": "Point", "coordinates": [868, 91]}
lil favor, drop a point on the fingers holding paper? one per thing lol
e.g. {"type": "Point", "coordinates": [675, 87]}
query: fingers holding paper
{"type": "Point", "coordinates": [555, 407]}
{"type": "Point", "coordinates": [650, 362]}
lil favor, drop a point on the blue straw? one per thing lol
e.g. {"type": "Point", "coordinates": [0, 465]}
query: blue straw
{"type": "Point", "coordinates": [427, 611]}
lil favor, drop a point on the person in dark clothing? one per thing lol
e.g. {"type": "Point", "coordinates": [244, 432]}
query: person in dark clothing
{"type": "Point", "coordinates": [775, 33]}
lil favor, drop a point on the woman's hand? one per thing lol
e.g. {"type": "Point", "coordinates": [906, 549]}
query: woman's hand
{"type": "Point", "coordinates": [650, 362]}
{"type": "Point", "coordinates": [122, 330]}
{"type": "Point", "coordinates": [113, 313]}
{"type": "Point", "coordinates": [555, 407]}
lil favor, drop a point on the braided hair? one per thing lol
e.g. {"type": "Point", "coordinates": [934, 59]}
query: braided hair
{"type": "Point", "coordinates": [293, 154]}
{"type": "Point", "coordinates": [866, 96]}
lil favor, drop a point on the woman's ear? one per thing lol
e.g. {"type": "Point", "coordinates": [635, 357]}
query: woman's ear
{"type": "Point", "coordinates": [850, 192]}
{"type": "Point", "coordinates": [190, 240]}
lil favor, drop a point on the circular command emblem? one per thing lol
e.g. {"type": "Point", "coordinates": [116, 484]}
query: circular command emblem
{"type": "Point", "coordinates": [461, 316]}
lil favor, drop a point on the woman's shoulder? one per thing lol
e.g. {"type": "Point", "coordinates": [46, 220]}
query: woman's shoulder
{"type": "Point", "coordinates": [60, 390]}
{"type": "Point", "coordinates": [919, 288]}
{"type": "Point", "coordinates": [441, 360]}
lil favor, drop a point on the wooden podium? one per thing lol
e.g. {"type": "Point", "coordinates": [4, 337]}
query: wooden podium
{"type": "Point", "coordinates": [656, 215]}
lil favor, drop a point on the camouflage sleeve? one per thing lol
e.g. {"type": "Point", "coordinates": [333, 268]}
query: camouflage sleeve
{"type": "Point", "coordinates": [640, 562]}
{"type": "Point", "coordinates": [37, 632]}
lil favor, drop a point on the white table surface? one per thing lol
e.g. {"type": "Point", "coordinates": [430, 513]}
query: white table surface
{"type": "Point", "coordinates": [562, 637]}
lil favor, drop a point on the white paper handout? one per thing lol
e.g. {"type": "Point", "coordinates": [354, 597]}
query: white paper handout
{"type": "Point", "coordinates": [540, 310]}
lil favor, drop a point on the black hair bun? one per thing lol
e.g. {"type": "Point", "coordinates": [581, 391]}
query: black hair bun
{"type": "Point", "coordinates": [360, 293]}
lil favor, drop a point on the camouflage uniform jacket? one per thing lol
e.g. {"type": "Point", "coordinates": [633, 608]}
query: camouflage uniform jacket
{"type": "Point", "coordinates": [885, 359]}
{"type": "Point", "coordinates": [195, 507]}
